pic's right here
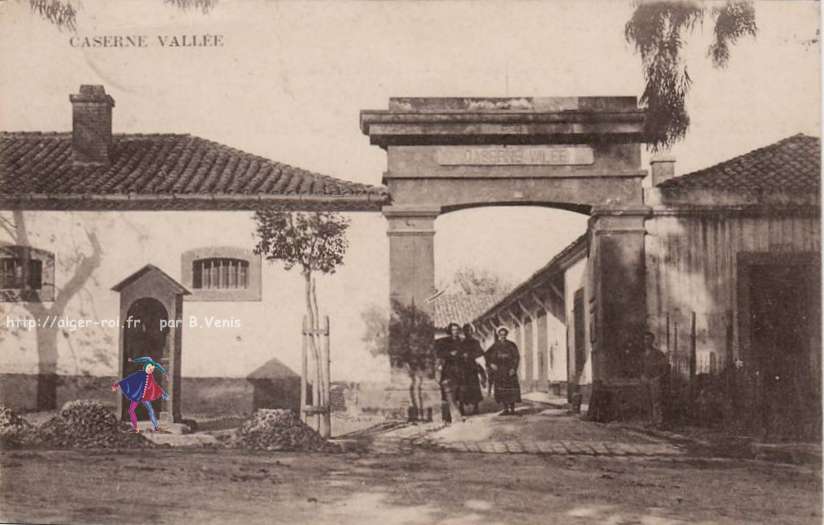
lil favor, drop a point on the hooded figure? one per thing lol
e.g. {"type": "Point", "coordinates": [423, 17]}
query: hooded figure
{"type": "Point", "coordinates": [502, 359]}
{"type": "Point", "coordinates": [473, 373]}
{"type": "Point", "coordinates": [141, 387]}
{"type": "Point", "coordinates": [448, 356]}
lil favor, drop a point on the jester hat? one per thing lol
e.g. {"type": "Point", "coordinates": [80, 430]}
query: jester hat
{"type": "Point", "coordinates": [145, 360]}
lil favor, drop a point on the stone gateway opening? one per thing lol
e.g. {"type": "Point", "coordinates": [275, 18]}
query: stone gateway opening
{"type": "Point", "coordinates": [580, 154]}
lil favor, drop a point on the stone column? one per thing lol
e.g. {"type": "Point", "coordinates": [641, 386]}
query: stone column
{"type": "Point", "coordinates": [411, 282]}
{"type": "Point", "coordinates": [411, 253]}
{"type": "Point", "coordinates": [618, 289]}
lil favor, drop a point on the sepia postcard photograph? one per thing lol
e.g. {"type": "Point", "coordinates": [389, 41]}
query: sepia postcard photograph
{"type": "Point", "coordinates": [410, 262]}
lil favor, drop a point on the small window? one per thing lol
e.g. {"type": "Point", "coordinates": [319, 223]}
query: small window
{"type": "Point", "coordinates": [26, 274]}
{"type": "Point", "coordinates": [220, 273]}
{"type": "Point", "coordinates": [12, 276]}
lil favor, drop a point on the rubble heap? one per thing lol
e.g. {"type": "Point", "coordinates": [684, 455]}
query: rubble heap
{"type": "Point", "coordinates": [88, 424]}
{"type": "Point", "coordinates": [278, 429]}
{"type": "Point", "coordinates": [14, 430]}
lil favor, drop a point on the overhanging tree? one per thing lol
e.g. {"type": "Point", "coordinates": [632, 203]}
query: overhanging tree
{"type": "Point", "coordinates": [63, 14]}
{"type": "Point", "coordinates": [315, 242]}
{"type": "Point", "coordinates": [658, 30]}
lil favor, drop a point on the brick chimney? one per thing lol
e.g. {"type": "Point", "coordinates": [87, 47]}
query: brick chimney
{"type": "Point", "coordinates": [662, 167]}
{"type": "Point", "coordinates": [91, 125]}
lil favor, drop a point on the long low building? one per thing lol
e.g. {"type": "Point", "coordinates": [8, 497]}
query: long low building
{"type": "Point", "coordinates": [733, 296]}
{"type": "Point", "coordinates": [542, 320]}
{"type": "Point", "coordinates": [115, 245]}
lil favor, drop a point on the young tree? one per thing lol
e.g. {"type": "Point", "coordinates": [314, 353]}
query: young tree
{"type": "Point", "coordinates": [312, 241]}
{"type": "Point", "coordinates": [658, 30]}
{"type": "Point", "coordinates": [405, 335]}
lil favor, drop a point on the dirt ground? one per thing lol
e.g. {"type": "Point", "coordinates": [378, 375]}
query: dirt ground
{"type": "Point", "coordinates": [224, 486]}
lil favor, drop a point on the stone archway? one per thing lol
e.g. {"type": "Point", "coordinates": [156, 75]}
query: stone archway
{"type": "Point", "coordinates": [151, 313]}
{"type": "Point", "coordinates": [145, 334]}
{"type": "Point", "coordinates": [578, 153]}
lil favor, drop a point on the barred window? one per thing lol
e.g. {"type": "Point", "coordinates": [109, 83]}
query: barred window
{"type": "Point", "coordinates": [12, 276]}
{"type": "Point", "coordinates": [216, 273]}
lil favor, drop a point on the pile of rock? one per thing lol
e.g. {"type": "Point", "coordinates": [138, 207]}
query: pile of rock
{"type": "Point", "coordinates": [278, 429]}
{"type": "Point", "coordinates": [88, 424]}
{"type": "Point", "coordinates": [14, 430]}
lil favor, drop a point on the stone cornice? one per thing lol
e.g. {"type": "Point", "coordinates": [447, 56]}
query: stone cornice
{"type": "Point", "coordinates": [570, 120]}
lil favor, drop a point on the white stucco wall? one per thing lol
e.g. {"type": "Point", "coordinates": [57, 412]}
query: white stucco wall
{"type": "Point", "coordinates": [556, 349]}
{"type": "Point", "coordinates": [269, 328]}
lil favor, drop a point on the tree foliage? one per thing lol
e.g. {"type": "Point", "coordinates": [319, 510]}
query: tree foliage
{"type": "Point", "coordinates": [658, 30]}
{"type": "Point", "coordinates": [404, 334]}
{"type": "Point", "coordinates": [477, 281]}
{"type": "Point", "coordinates": [314, 241]}
{"type": "Point", "coordinates": [376, 330]}
{"type": "Point", "coordinates": [59, 12]}
{"type": "Point", "coordinates": [204, 6]}
{"type": "Point", "coordinates": [411, 332]}
{"type": "Point", "coordinates": [63, 14]}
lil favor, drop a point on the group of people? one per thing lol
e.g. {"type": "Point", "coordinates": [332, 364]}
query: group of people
{"type": "Point", "coordinates": [462, 378]}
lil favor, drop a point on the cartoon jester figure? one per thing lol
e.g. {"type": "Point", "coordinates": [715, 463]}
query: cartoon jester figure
{"type": "Point", "coordinates": [141, 387]}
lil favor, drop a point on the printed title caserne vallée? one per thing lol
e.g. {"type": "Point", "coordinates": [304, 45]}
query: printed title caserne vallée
{"type": "Point", "coordinates": [126, 41]}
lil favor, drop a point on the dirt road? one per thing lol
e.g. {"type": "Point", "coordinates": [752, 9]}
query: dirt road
{"type": "Point", "coordinates": [222, 486]}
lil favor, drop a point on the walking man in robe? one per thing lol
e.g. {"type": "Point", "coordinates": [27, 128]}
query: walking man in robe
{"type": "Point", "coordinates": [448, 357]}
{"type": "Point", "coordinates": [502, 359]}
{"type": "Point", "coordinates": [473, 373]}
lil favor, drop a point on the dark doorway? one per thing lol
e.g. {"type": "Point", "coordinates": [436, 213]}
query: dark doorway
{"type": "Point", "coordinates": [785, 328]}
{"type": "Point", "coordinates": [143, 336]}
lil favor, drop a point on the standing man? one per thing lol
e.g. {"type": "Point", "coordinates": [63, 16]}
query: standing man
{"type": "Point", "coordinates": [448, 356]}
{"type": "Point", "coordinates": [654, 368]}
{"type": "Point", "coordinates": [502, 359]}
{"type": "Point", "coordinates": [473, 373]}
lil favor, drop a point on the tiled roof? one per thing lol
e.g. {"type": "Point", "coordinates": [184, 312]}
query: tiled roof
{"type": "Point", "coordinates": [167, 167]}
{"type": "Point", "coordinates": [460, 308]}
{"type": "Point", "coordinates": [790, 165]}
{"type": "Point", "coordinates": [176, 286]}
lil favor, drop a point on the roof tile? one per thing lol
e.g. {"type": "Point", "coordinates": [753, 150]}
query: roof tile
{"type": "Point", "coordinates": [790, 165]}
{"type": "Point", "coordinates": [35, 162]}
{"type": "Point", "coordinates": [461, 308]}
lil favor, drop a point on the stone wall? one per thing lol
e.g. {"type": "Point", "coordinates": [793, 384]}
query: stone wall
{"type": "Point", "coordinates": [206, 396]}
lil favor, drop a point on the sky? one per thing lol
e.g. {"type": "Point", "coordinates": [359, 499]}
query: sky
{"type": "Point", "coordinates": [292, 77]}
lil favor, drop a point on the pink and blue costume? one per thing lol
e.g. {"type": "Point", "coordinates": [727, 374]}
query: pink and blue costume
{"type": "Point", "coordinates": [141, 388]}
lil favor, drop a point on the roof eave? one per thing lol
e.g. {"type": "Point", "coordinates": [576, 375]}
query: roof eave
{"type": "Point", "coordinates": [172, 201]}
